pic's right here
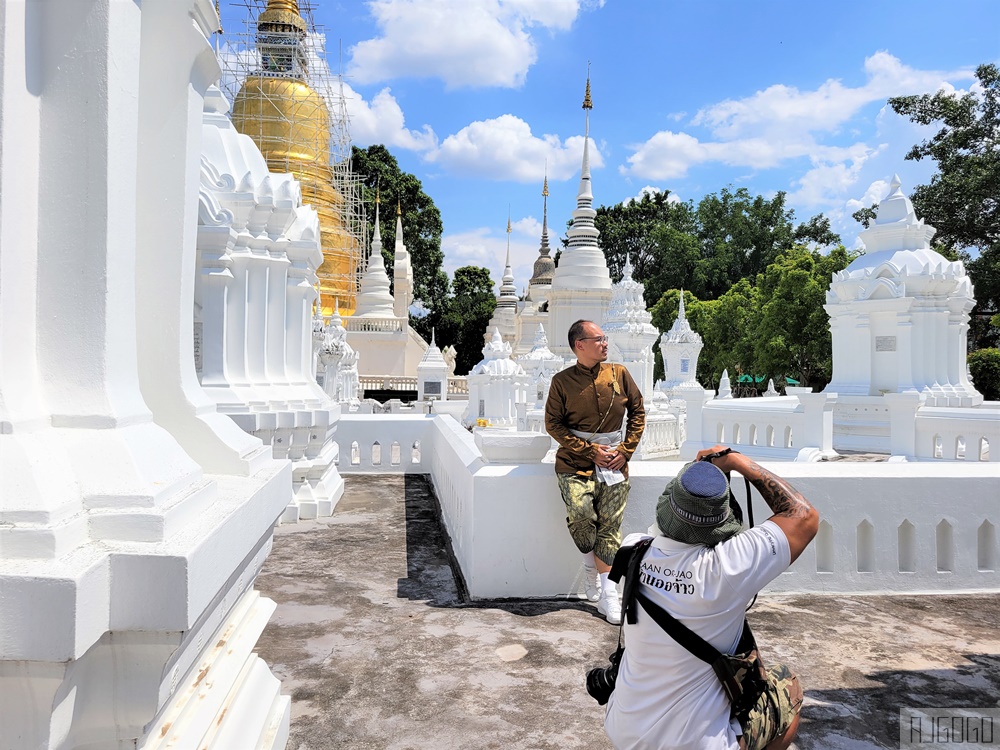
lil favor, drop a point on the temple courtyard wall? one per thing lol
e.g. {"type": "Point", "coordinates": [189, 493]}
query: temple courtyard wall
{"type": "Point", "coordinates": [891, 527]}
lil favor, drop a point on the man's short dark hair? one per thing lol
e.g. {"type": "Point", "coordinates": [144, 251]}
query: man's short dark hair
{"type": "Point", "coordinates": [576, 333]}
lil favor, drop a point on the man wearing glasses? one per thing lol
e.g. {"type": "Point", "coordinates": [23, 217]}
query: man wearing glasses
{"type": "Point", "coordinates": [585, 413]}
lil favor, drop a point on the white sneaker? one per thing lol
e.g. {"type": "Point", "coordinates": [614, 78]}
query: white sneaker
{"type": "Point", "coordinates": [610, 606]}
{"type": "Point", "coordinates": [591, 583]}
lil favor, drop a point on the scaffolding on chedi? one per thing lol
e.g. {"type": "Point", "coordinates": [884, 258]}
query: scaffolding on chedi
{"type": "Point", "coordinates": [285, 97]}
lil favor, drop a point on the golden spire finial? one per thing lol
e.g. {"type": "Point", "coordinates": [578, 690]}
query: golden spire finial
{"type": "Point", "coordinates": [587, 102]}
{"type": "Point", "coordinates": [289, 6]}
{"type": "Point", "coordinates": [378, 193]}
{"type": "Point", "coordinates": [399, 207]}
{"type": "Point", "coordinates": [545, 184]}
{"type": "Point", "coordinates": [508, 220]}
{"type": "Point", "coordinates": [219, 14]}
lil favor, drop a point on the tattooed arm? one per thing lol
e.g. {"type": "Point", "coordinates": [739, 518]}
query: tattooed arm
{"type": "Point", "coordinates": [792, 512]}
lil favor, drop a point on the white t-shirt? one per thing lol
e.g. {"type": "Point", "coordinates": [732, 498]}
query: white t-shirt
{"type": "Point", "coordinates": [665, 697]}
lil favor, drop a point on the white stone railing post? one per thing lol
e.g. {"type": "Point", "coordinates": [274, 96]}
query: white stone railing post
{"type": "Point", "coordinates": [817, 419]}
{"type": "Point", "coordinates": [903, 409]}
{"type": "Point", "coordinates": [695, 398]}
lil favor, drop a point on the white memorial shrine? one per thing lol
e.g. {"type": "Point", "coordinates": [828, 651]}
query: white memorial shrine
{"type": "Point", "coordinates": [496, 385]}
{"type": "Point", "coordinates": [679, 348]}
{"type": "Point", "coordinates": [504, 317]}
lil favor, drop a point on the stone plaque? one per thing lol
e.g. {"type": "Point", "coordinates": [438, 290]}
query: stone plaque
{"type": "Point", "coordinates": [885, 343]}
{"type": "Point", "coordinates": [432, 388]}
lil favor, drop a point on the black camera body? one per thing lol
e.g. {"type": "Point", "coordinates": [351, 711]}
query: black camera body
{"type": "Point", "coordinates": [601, 680]}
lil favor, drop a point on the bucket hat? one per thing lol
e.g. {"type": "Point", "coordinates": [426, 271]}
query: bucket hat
{"type": "Point", "coordinates": [694, 507]}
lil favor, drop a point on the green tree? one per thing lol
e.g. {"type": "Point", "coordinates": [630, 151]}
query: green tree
{"type": "Point", "coordinates": [792, 333]}
{"type": "Point", "coordinates": [963, 199]}
{"type": "Point", "coordinates": [740, 235]}
{"type": "Point", "coordinates": [627, 230]}
{"type": "Point", "coordinates": [817, 230]}
{"type": "Point", "coordinates": [422, 227]}
{"type": "Point", "coordinates": [466, 315]}
{"type": "Point", "coordinates": [984, 366]}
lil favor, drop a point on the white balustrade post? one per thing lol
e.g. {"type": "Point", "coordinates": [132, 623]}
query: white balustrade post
{"type": "Point", "coordinates": [817, 416]}
{"type": "Point", "coordinates": [695, 399]}
{"type": "Point", "coordinates": [903, 409]}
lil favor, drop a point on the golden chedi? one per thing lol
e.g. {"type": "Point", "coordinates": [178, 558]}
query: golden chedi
{"type": "Point", "coordinates": [290, 124]}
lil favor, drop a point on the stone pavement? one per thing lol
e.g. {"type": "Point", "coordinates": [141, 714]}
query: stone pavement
{"type": "Point", "coordinates": [378, 649]}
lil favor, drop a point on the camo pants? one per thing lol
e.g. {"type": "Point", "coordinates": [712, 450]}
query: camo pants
{"type": "Point", "coordinates": [594, 514]}
{"type": "Point", "coordinates": [775, 710]}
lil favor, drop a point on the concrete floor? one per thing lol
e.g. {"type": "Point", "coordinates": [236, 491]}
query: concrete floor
{"type": "Point", "coordinates": [378, 649]}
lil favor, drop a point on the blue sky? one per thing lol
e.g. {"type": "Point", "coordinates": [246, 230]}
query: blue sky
{"type": "Point", "coordinates": [475, 97]}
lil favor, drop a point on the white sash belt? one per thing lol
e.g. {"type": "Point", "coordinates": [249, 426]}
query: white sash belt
{"type": "Point", "coordinates": [608, 476]}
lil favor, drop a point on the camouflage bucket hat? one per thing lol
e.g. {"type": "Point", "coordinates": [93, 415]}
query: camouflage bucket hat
{"type": "Point", "coordinates": [694, 507]}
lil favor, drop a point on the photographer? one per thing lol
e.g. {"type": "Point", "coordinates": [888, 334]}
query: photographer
{"type": "Point", "coordinates": [703, 569]}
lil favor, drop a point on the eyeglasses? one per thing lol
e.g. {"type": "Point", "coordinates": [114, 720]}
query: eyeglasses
{"type": "Point", "coordinates": [598, 339]}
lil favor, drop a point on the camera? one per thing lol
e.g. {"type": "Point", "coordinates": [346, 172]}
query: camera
{"type": "Point", "coordinates": [601, 680]}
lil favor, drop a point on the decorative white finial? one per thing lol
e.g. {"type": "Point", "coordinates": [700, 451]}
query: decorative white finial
{"type": "Point", "coordinates": [680, 312]}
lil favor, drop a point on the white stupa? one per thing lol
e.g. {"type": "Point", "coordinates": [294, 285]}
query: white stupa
{"type": "Point", "coordinates": [374, 299]}
{"type": "Point", "coordinates": [402, 271]}
{"type": "Point", "coordinates": [496, 385]}
{"type": "Point", "coordinates": [899, 315]}
{"type": "Point", "coordinates": [540, 364]}
{"type": "Point", "coordinates": [581, 286]}
{"type": "Point", "coordinates": [505, 315]}
{"type": "Point", "coordinates": [680, 347]}
{"type": "Point", "coordinates": [432, 374]}
{"type": "Point", "coordinates": [533, 311]}
{"type": "Point", "coordinates": [630, 330]}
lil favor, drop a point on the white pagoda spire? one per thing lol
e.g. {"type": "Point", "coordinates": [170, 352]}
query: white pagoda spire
{"type": "Point", "coordinates": [630, 330]}
{"type": "Point", "coordinates": [374, 299]}
{"type": "Point", "coordinates": [545, 267]}
{"type": "Point", "coordinates": [581, 285]}
{"type": "Point", "coordinates": [508, 292]}
{"type": "Point", "coordinates": [402, 271]}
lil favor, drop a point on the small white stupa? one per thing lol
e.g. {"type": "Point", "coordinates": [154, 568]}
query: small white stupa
{"type": "Point", "coordinates": [432, 374]}
{"type": "Point", "coordinates": [630, 330]}
{"type": "Point", "coordinates": [505, 315]}
{"type": "Point", "coordinates": [402, 271]}
{"type": "Point", "coordinates": [540, 364]}
{"type": "Point", "coordinates": [899, 315]}
{"type": "Point", "coordinates": [496, 386]}
{"type": "Point", "coordinates": [680, 347]}
{"type": "Point", "coordinates": [374, 299]}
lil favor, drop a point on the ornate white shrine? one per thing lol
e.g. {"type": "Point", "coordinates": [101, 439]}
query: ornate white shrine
{"type": "Point", "coordinates": [540, 364]}
{"type": "Point", "coordinates": [258, 255]}
{"type": "Point", "coordinates": [496, 385]}
{"type": "Point", "coordinates": [432, 375]}
{"type": "Point", "coordinates": [338, 362]}
{"type": "Point", "coordinates": [680, 347]}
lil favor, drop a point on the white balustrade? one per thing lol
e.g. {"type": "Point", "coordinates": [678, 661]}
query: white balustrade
{"type": "Point", "coordinates": [955, 434]}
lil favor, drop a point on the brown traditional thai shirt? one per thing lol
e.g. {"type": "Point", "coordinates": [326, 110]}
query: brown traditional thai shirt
{"type": "Point", "coordinates": [578, 400]}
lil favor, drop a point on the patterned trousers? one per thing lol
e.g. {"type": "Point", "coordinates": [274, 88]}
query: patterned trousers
{"type": "Point", "coordinates": [775, 708]}
{"type": "Point", "coordinates": [594, 514]}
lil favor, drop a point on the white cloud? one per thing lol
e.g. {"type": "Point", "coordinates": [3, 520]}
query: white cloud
{"type": "Point", "coordinates": [781, 123]}
{"type": "Point", "coordinates": [876, 191]}
{"type": "Point", "coordinates": [504, 148]}
{"type": "Point", "coordinates": [829, 180]}
{"type": "Point", "coordinates": [382, 121]}
{"type": "Point", "coordinates": [487, 247]}
{"type": "Point", "coordinates": [465, 43]}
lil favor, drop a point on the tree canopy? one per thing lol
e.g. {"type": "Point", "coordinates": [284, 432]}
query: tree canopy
{"type": "Point", "coordinates": [963, 199]}
{"type": "Point", "coordinates": [466, 314]}
{"type": "Point", "coordinates": [422, 226]}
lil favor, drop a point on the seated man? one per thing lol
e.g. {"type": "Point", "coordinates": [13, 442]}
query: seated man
{"type": "Point", "coordinates": [704, 569]}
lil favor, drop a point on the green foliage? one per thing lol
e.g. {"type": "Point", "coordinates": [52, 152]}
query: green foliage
{"type": "Point", "coordinates": [421, 226]}
{"type": "Point", "coordinates": [984, 365]}
{"type": "Point", "coordinates": [961, 199]}
{"type": "Point", "coordinates": [816, 230]}
{"type": "Point", "coordinates": [775, 327]}
{"type": "Point", "coordinates": [466, 315]}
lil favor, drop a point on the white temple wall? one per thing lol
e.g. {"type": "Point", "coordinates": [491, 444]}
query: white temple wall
{"type": "Point", "coordinates": [910, 527]}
